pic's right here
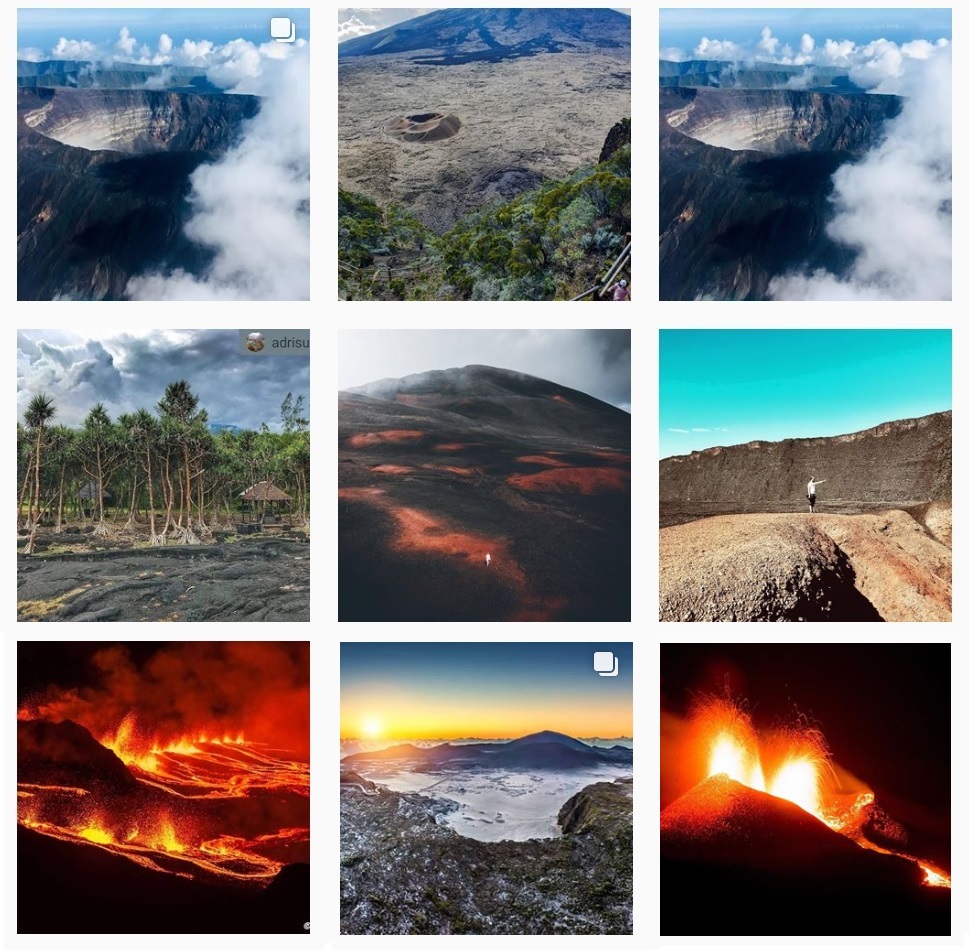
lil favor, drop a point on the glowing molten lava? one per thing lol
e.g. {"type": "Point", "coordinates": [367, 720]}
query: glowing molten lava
{"type": "Point", "coordinates": [171, 819]}
{"type": "Point", "coordinates": [792, 764]}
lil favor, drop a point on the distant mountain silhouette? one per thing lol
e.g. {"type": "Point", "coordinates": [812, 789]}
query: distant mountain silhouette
{"type": "Point", "coordinates": [545, 750]}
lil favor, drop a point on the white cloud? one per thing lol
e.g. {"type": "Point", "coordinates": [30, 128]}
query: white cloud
{"type": "Point", "coordinates": [674, 430]}
{"type": "Point", "coordinates": [894, 207]}
{"type": "Point", "coordinates": [252, 206]}
{"type": "Point", "coordinates": [75, 49]}
{"type": "Point", "coordinates": [718, 49]}
{"type": "Point", "coordinates": [768, 43]}
{"type": "Point", "coordinates": [674, 54]}
{"type": "Point", "coordinates": [353, 27]}
{"type": "Point", "coordinates": [838, 53]}
{"type": "Point", "coordinates": [164, 44]}
{"type": "Point", "coordinates": [807, 43]}
{"type": "Point", "coordinates": [31, 54]}
{"type": "Point", "coordinates": [699, 429]}
{"type": "Point", "coordinates": [126, 42]}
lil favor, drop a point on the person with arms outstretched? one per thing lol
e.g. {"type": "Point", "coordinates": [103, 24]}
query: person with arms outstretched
{"type": "Point", "coordinates": [812, 495]}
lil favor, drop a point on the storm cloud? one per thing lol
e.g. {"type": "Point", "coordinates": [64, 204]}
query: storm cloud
{"type": "Point", "coordinates": [129, 371]}
{"type": "Point", "coordinates": [596, 362]}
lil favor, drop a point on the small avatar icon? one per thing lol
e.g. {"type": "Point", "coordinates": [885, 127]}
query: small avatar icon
{"type": "Point", "coordinates": [255, 342]}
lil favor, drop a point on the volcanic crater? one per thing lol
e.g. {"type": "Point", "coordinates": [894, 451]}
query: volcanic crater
{"type": "Point", "coordinates": [424, 127]}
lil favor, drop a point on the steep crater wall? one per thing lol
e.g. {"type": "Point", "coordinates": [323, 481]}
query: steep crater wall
{"type": "Point", "coordinates": [778, 121]}
{"type": "Point", "coordinates": [904, 460]}
{"type": "Point", "coordinates": [137, 121]}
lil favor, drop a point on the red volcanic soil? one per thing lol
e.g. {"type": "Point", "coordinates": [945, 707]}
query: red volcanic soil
{"type": "Point", "coordinates": [570, 480]}
{"type": "Point", "coordinates": [454, 446]}
{"type": "Point", "coordinates": [614, 456]}
{"type": "Point", "coordinates": [457, 470]}
{"type": "Point", "coordinates": [391, 470]}
{"type": "Point", "coordinates": [360, 440]}
{"type": "Point", "coordinates": [542, 460]}
{"type": "Point", "coordinates": [359, 495]}
{"type": "Point", "coordinates": [560, 399]}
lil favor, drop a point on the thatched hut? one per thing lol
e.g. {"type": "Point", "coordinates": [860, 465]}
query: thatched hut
{"type": "Point", "coordinates": [266, 503]}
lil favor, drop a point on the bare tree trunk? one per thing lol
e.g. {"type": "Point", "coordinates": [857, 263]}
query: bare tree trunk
{"type": "Point", "coordinates": [23, 492]}
{"type": "Point", "coordinates": [60, 501]}
{"type": "Point", "coordinates": [36, 508]}
{"type": "Point", "coordinates": [155, 539]}
{"type": "Point", "coordinates": [100, 528]}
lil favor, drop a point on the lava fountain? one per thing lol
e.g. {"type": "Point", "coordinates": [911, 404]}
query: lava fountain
{"type": "Point", "coordinates": [792, 763]}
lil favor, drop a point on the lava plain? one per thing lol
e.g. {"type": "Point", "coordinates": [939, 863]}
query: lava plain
{"type": "Point", "coordinates": [434, 474]}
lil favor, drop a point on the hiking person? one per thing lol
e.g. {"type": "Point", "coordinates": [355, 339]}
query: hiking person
{"type": "Point", "coordinates": [487, 559]}
{"type": "Point", "coordinates": [620, 290]}
{"type": "Point", "coordinates": [812, 495]}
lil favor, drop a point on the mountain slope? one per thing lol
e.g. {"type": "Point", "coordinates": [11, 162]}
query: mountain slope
{"type": "Point", "coordinates": [460, 36]}
{"type": "Point", "coordinates": [448, 466]}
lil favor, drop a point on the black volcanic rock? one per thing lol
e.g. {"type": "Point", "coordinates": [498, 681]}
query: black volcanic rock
{"type": "Point", "coordinates": [900, 461]}
{"type": "Point", "coordinates": [66, 754]}
{"type": "Point", "coordinates": [440, 468]}
{"type": "Point", "coordinates": [458, 36]}
{"type": "Point", "coordinates": [756, 864]}
{"type": "Point", "coordinates": [404, 872]}
{"type": "Point", "coordinates": [731, 219]}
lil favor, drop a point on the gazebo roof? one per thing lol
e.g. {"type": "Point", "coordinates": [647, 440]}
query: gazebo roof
{"type": "Point", "coordinates": [264, 492]}
{"type": "Point", "coordinates": [89, 490]}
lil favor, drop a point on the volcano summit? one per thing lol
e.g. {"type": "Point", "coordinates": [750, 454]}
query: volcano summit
{"type": "Point", "coordinates": [438, 470]}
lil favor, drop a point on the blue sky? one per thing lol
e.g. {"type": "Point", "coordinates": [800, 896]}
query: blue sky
{"type": "Point", "coordinates": [42, 28]}
{"type": "Point", "coordinates": [720, 388]}
{"type": "Point", "coordinates": [684, 28]}
{"type": "Point", "coordinates": [487, 690]}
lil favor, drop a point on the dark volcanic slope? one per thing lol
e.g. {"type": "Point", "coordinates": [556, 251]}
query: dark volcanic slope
{"type": "Point", "coordinates": [760, 865]}
{"type": "Point", "coordinates": [753, 203]}
{"type": "Point", "coordinates": [901, 461]}
{"type": "Point", "coordinates": [463, 36]}
{"type": "Point", "coordinates": [90, 218]}
{"type": "Point", "coordinates": [439, 468]}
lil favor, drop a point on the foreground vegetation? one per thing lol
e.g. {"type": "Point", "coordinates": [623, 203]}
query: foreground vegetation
{"type": "Point", "coordinates": [551, 243]}
{"type": "Point", "coordinates": [166, 471]}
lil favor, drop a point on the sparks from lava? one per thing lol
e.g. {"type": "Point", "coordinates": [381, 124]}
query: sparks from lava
{"type": "Point", "coordinates": [792, 763]}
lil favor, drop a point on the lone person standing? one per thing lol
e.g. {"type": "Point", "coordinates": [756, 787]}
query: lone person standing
{"type": "Point", "coordinates": [812, 495]}
{"type": "Point", "coordinates": [487, 559]}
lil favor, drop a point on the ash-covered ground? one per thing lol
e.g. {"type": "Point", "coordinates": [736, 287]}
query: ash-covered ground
{"type": "Point", "coordinates": [404, 871]}
{"type": "Point", "coordinates": [234, 578]}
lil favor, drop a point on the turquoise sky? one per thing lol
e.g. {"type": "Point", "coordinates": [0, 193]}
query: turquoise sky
{"type": "Point", "coordinates": [723, 387]}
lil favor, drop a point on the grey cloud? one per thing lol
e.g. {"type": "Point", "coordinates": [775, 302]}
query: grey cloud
{"type": "Point", "coordinates": [127, 372]}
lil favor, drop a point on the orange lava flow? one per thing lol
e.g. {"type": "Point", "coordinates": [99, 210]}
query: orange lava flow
{"type": "Point", "coordinates": [161, 824]}
{"type": "Point", "coordinates": [453, 446]}
{"type": "Point", "coordinates": [361, 440]}
{"type": "Point", "coordinates": [392, 470]}
{"type": "Point", "coordinates": [574, 481]}
{"type": "Point", "coordinates": [792, 764]}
